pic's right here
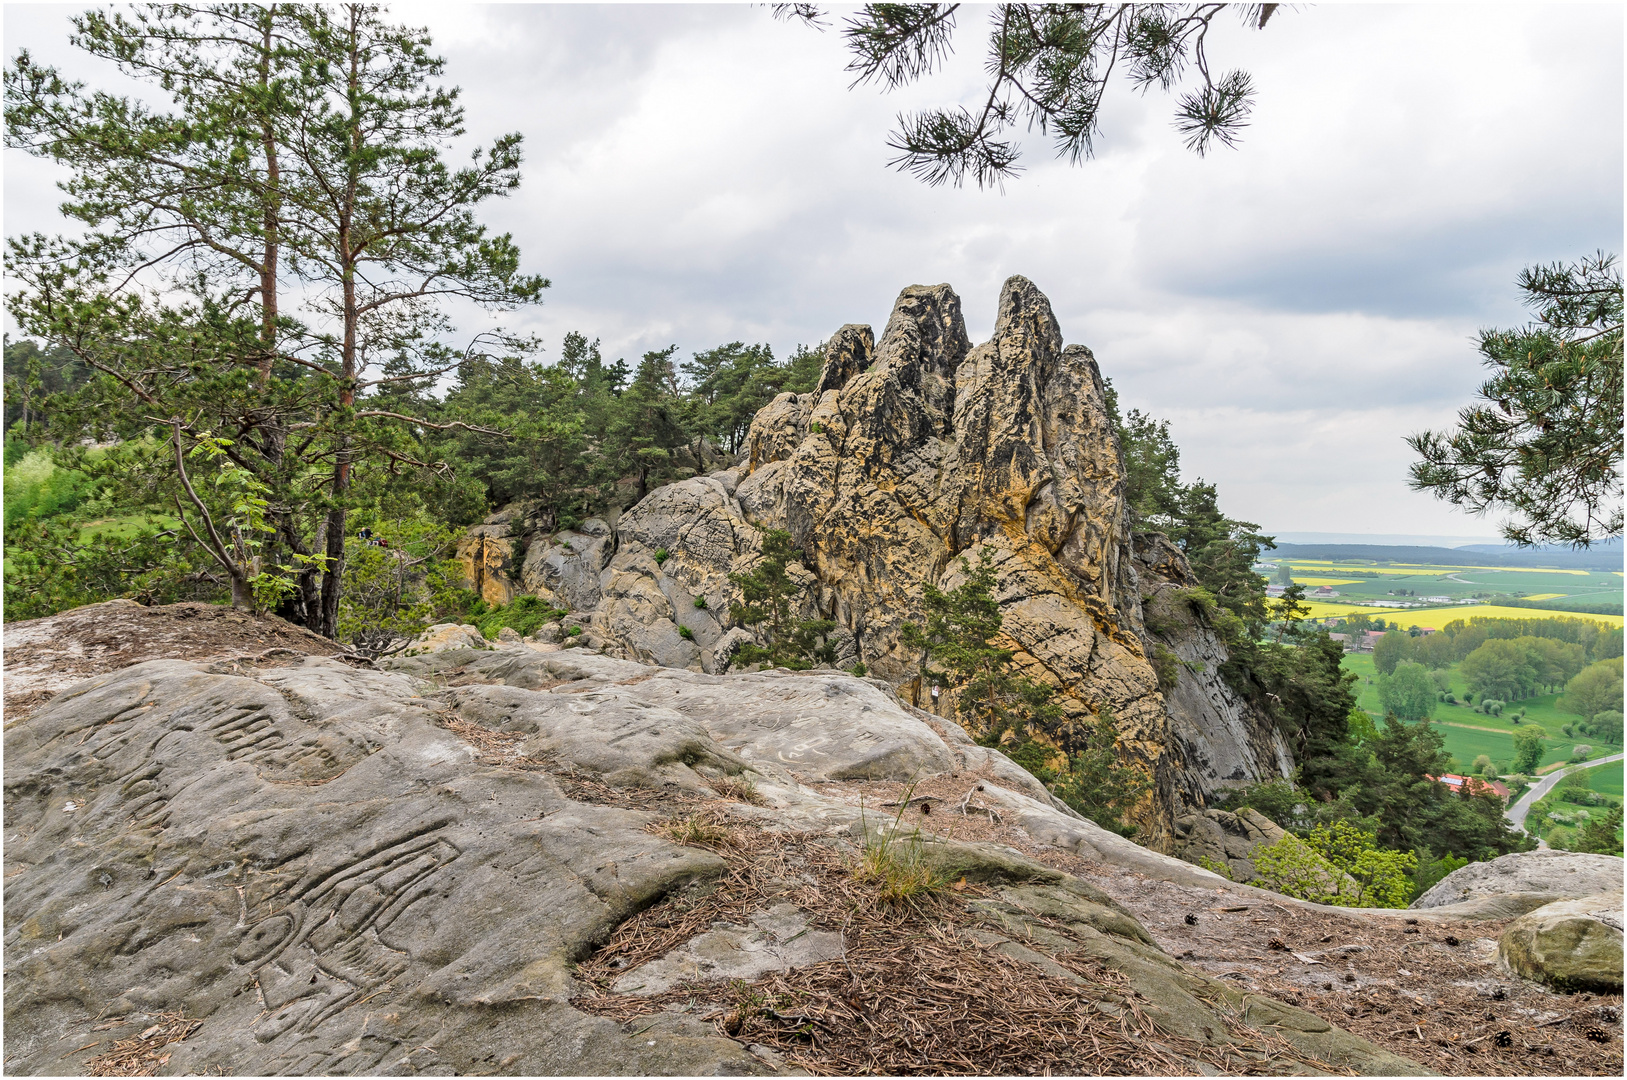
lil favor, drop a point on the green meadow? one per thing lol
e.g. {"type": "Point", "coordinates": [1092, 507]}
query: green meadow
{"type": "Point", "coordinates": [1468, 734]}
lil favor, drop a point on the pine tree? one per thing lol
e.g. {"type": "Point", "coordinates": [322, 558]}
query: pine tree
{"type": "Point", "coordinates": [303, 142]}
{"type": "Point", "coordinates": [768, 593]}
{"type": "Point", "coordinates": [1545, 441]}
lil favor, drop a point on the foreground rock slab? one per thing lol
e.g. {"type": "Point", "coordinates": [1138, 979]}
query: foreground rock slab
{"type": "Point", "coordinates": [1523, 881]}
{"type": "Point", "coordinates": [319, 869]}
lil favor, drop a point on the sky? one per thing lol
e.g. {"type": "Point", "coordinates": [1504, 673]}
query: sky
{"type": "Point", "coordinates": [1294, 307]}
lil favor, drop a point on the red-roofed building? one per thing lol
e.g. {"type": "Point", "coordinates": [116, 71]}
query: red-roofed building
{"type": "Point", "coordinates": [1474, 784]}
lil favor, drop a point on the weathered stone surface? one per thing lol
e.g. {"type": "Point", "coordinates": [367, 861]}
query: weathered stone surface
{"type": "Point", "coordinates": [776, 939]}
{"type": "Point", "coordinates": [913, 452]}
{"type": "Point", "coordinates": [1226, 839]}
{"type": "Point", "coordinates": [1546, 875]}
{"type": "Point", "coordinates": [487, 554]}
{"type": "Point", "coordinates": [1571, 945]}
{"type": "Point", "coordinates": [564, 567]}
{"type": "Point", "coordinates": [313, 863]}
{"type": "Point", "coordinates": [447, 636]}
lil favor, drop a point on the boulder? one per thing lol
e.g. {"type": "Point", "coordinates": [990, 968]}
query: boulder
{"type": "Point", "coordinates": [1527, 880]}
{"type": "Point", "coordinates": [1222, 838]}
{"type": "Point", "coordinates": [564, 567]}
{"type": "Point", "coordinates": [1571, 945]}
{"type": "Point", "coordinates": [447, 636]}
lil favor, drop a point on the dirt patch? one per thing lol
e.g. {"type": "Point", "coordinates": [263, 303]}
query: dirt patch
{"type": "Point", "coordinates": [45, 656]}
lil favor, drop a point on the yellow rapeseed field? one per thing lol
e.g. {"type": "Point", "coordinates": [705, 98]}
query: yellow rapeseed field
{"type": "Point", "coordinates": [1438, 617]}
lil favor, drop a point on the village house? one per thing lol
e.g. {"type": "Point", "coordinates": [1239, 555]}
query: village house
{"type": "Point", "coordinates": [1473, 784]}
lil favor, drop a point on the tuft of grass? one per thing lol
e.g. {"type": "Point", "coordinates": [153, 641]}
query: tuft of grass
{"type": "Point", "coordinates": [895, 866]}
{"type": "Point", "coordinates": [686, 633]}
{"type": "Point", "coordinates": [693, 831]}
{"type": "Point", "coordinates": [700, 601]}
{"type": "Point", "coordinates": [661, 555]}
{"type": "Point", "coordinates": [739, 789]}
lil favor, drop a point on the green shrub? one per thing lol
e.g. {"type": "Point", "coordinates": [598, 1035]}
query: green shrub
{"type": "Point", "coordinates": [1166, 666]}
{"type": "Point", "coordinates": [661, 556]}
{"type": "Point", "coordinates": [525, 616]}
{"type": "Point", "coordinates": [686, 633]}
{"type": "Point", "coordinates": [1337, 864]}
{"type": "Point", "coordinates": [700, 602]}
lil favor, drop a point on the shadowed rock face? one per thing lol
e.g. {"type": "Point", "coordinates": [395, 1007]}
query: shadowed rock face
{"type": "Point", "coordinates": [918, 450]}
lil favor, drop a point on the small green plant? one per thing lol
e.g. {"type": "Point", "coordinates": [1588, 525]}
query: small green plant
{"type": "Point", "coordinates": [1215, 867]}
{"type": "Point", "coordinates": [661, 556]}
{"type": "Point", "coordinates": [686, 633]}
{"type": "Point", "coordinates": [700, 602]}
{"type": "Point", "coordinates": [575, 631]}
{"type": "Point", "coordinates": [815, 428]}
{"type": "Point", "coordinates": [896, 867]}
{"type": "Point", "coordinates": [858, 670]}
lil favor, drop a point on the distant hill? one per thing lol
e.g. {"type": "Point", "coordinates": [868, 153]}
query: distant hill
{"type": "Point", "coordinates": [1603, 547]}
{"type": "Point", "coordinates": [1600, 557]}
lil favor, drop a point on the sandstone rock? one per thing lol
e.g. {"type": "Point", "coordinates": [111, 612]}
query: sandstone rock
{"type": "Point", "coordinates": [563, 568]}
{"type": "Point", "coordinates": [1540, 876]}
{"type": "Point", "coordinates": [487, 554]}
{"type": "Point", "coordinates": [775, 940]}
{"type": "Point", "coordinates": [1571, 945]}
{"type": "Point", "coordinates": [447, 636]}
{"type": "Point", "coordinates": [920, 449]}
{"type": "Point", "coordinates": [339, 870]}
{"type": "Point", "coordinates": [1226, 839]}
{"type": "Point", "coordinates": [319, 856]}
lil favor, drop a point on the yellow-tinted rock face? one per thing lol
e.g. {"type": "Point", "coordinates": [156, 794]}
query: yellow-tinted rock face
{"type": "Point", "coordinates": [918, 450]}
{"type": "Point", "coordinates": [927, 449]}
{"type": "Point", "coordinates": [487, 553]}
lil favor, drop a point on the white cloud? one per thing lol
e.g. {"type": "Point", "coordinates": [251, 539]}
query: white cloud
{"type": "Point", "coordinates": [701, 174]}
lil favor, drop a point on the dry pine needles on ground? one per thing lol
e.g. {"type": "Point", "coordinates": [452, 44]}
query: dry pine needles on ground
{"type": "Point", "coordinates": [918, 991]}
{"type": "Point", "coordinates": [143, 1054]}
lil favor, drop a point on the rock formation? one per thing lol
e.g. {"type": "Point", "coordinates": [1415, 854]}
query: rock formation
{"type": "Point", "coordinates": [309, 868]}
{"type": "Point", "coordinates": [1526, 880]}
{"type": "Point", "coordinates": [1220, 838]}
{"type": "Point", "coordinates": [1572, 945]}
{"type": "Point", "coordinates": [914, 452]}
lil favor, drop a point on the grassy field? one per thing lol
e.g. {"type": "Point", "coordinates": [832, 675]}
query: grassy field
{"type": "Point", "coordinates": [1606, 779]}
{"type": "Point", "coordinates": [1468, 734]}
{"type": "Point", "coordinates": [1372, 589]}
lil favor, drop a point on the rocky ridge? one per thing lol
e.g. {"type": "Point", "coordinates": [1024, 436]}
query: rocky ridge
{"type": "Point", "coordinates": [913, 452]}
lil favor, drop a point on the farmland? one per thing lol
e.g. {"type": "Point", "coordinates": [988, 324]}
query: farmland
{"type": "Point", "coordinates": [1398, 592]}
{"type": "Point", "coordinates": [1468, 734]}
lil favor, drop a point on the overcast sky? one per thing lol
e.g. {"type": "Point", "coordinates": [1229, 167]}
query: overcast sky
{"type": "Point", "coordinates": [1294, 307]}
